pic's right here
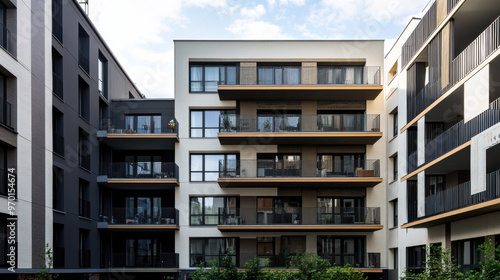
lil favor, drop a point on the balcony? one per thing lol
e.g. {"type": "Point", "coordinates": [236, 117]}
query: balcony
{"type": "Point", "coordinates": [298, 219]}
{"type": "Point", "coordinates": [455, 138]}
{"type": "Point", "coordinates": [127, 174]}
{"type": "Point", "coordinates": [141, 132]}
{"type": "Point", "coordinates": [157, 260]}
{"type": "Point", "coordinates": [288, 82]}
{"type": "Point", "coordinates": [458, 203]}
{"type": "Point", "coordinates": [466, 62]}
{"type": "Point", "coordinates": [298, 173]}
{"type": "Point", "coordinates": [123, 218]}
{"type": "Point", "coordinates": [326, 129]}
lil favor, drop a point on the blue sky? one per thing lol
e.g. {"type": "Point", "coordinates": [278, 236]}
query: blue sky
{"type": "Point", "coordinates": [141, 35]}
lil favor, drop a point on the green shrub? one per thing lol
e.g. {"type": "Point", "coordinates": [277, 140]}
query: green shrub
{"type": "Point", "coordinates": [489, 268]}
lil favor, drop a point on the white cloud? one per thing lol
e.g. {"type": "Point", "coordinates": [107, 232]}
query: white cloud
{"type": "Point", "coordinates": [286, 2]}
{"type": "Point", "coordinates": [250, 29]}
{"type": "Point", "coordinates": [254, 13]}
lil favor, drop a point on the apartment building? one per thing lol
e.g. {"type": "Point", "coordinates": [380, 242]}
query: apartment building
{"type": "Point", "coordinates": [282, 151]}
{"type": "Point", "coordinates": [441, 92]}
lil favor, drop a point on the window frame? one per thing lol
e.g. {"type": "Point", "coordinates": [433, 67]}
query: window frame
{"type": "Point", "coordinates": [203, 214]}
{"type": "Point", "coordinates": [395, 124]}
{"type": "Point", "coordinates": [203, 128]}
{"type": "Point", "coordinates": [203, 171]}
{"type": "Point", "coordinates": [235, 255]}
{"type": "Point", "coordinates": [203, 81]}
{"type": "Point", "coordinates": [359, 244]}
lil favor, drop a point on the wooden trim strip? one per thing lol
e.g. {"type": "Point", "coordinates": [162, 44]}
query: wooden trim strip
{"type": "Point", "coordinates": [144, 181]}
{"type": "Point", "coordinates": [300, 134]}
{"type": "Point", "coordinates": [304, 180]}
{"type": "Point", "coordinates": [300, 227]}
{"type": "Point", "coordinates": [452, 89]}
{"type": "Point", "coordinates": [425, 166]}
{"type": "Point", "coordinates": [453, 213]}
{"type": "Point", "coordinates": [136, 135]}
{"type": "Point", "coordinates": [143, 227]}
{"type": "Point", "coordinates": [300, 87]}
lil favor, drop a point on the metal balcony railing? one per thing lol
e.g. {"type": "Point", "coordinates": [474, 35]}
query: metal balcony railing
{"type": "Point", "coordinates": [140, 125]}
{"type": "Point", "coordinates": [135, 216]}
{"type": "Point", "coordinates": [349, 75]}
{"type": "Point", "coordinates": [300, 123]}
{"type": "Point", "coordinates": [151, 260]}
{"type": "Point", "coordinates": [140, 170]}
{"type": "Point", "coordinates": [261, 168]}
{"type": "Point", "coordinates": [300, 216]}
{"type": "Point", "coordinates": [460, 196]}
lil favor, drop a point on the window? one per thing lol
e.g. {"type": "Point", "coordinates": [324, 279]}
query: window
{"type": "Point", "coordinates": [146, 253]}
{"type": "Point", "coordinates": [57, 74]}
{"type": "Point", "coordinates": [58, 189]}
{"type": "Point", "coordinates": [57, 13]}
{"type": "Point", "coordinates": [434, 184]}
{"type": "Point", "coordinates": [146, 210]}
{"type": "Point", "coordinates": [271, 165]}
{"type": "Point", "coordinates": [84, 248]}
{"type": "Point", "coordinates": [415, 259]}
{"type": "Point", "coordinates": [396, 258]}
{"type": "Point", "coordinates": [395, 168]}
{"type": "Point", "coordinates": [395, 212]}
{"type": "Point", "coordinates": [143, 124]}
{"type": "Point", "coordinates": [207, 123]}
{"type": "Point", "coordinates": [342, 165]}
{"type": "Point", "coordinates": [83, 99]}
{"type": "Point", "coordinates": [278, 121]}
{"type": "Point", "coordinates": [58, 243]}
{"type": "Point", "coordinates": [341, 210]}
{"type": "Point", "coordinates": [84, 202]}
{"type": "Point", "coordinates": [4, 245]}
{"type": "Point", "coordinates": [6, 35]}
{"type": "Point", "coordinates": [395, 124]}
{"type": "Point", "coordinates": [342, 250]}
{"type": "Point", "coordinates": [392, 72]}
{"type": "Point", "coordinates": [83, 49]}
{"type": "Point", "coordinates": [102, 72]}
{"type": "Point", "coordinates": [203, 250]}
{"type": "Point", "coordinates": [3, 171]}
{"type": "Point", "coordinates": [467, 254]}
{"type": "Point", "coordinates": [343, 75]}
{"type": "Point", "coordinates": [279, 210]}
{"type": "Point", "coordinates": [208, 167]}
{"type": "Point", "coordinates": [58, 132]}
{"type": "Point", "coordinates": [205, 210]}
{"type": "Point", "coordinates": [206, 78]}
{"type": "Point", "coordinates": [278, 75]}
{"type": "Point", "coordinates": [84, 150]}
{"type": "Point", "coordinates": [5, 107]}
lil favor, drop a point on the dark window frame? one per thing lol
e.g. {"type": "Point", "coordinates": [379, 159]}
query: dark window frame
{"type": "Point", "coordinates": [203, 172]}
{"type": "Point", "coordinates": [84, 204]}
{"type": "Point", "coordinates": [395, 213]}
{"type": "Point", "coordinates": [203, 80]}
{"type": "Point", "coordinates": [203, 214]}
{"type": "Point", "coordinates": [395, 124]}
{"type": "Point", "coordinates": [101, 60]}
{"type": "Point", "coordinates": [203, 128]}
{"type": "Point", "coordinates": [359, 244]}
{"type": "Point", "coordinates": [203, 256]}
{"type": "Point", "coordinates": [415, 259]}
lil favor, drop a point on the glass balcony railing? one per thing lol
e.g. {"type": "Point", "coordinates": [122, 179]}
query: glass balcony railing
{"type": "Point", "coordinates": [144, 260]}
{"type": "Point", "coordinates": [300, 216]}
{"type": "Point", "coordinates": [261, 168]}
{"type": "Point", "coordinates": [140, 125]}
{"type": "Point", "coordinates": [300, 123]}
{"type": "Point", "coordinates": [349, 75]}
{"type": "Point", "coordinates": [140, 170]}
{"type": "Point", "coordinates": [134, 216]}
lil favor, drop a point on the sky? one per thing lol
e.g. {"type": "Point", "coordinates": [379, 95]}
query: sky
{"type": "Point", "coordinates": [141, 33]}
